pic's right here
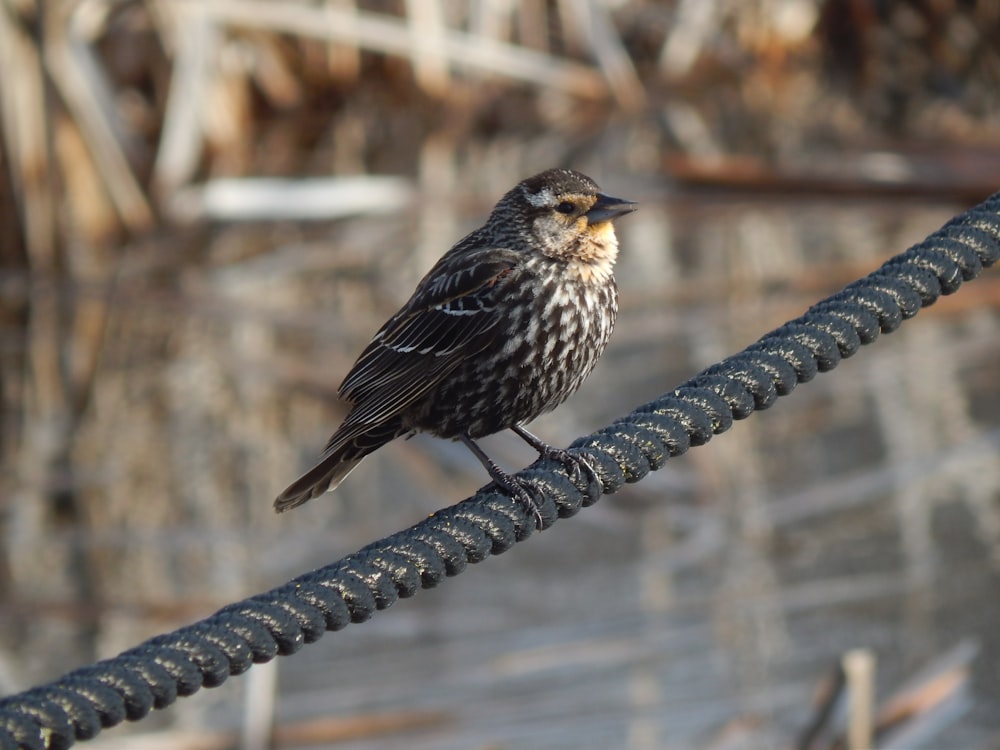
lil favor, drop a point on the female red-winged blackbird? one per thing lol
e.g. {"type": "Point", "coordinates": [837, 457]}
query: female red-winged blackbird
{"type": "Point", "coordinates": [505, 327]}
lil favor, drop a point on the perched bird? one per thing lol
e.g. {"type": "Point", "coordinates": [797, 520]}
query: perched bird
{"type": "Point", "coordinates": [505, 326]}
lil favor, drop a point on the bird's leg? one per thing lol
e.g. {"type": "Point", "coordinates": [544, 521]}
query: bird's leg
{"type": "Point", "coordinates": [574, 464]}
{"type": "Point", "coordinates": [505, 480]}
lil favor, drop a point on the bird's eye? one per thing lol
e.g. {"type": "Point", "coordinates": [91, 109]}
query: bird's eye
{"type": "Point", "coordinates": [566, 207]}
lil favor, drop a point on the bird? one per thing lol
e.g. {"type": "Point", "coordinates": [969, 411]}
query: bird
{"type": "Point", "coordinates": [503, 328]}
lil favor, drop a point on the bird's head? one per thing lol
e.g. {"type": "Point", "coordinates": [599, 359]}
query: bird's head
{"type": "Point", "coordinates": [566, 217]}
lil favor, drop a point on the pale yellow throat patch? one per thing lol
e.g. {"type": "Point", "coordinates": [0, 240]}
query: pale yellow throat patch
{"type": "Point", "coordinates": [597, 253]}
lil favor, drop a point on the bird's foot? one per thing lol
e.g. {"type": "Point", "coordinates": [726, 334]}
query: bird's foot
{"type": "Point", "coordinates": [521, 490]}
{"type": "Point", "coordinates": [576, 466]}
{"type": "Point", "coordinates": [528, 495]}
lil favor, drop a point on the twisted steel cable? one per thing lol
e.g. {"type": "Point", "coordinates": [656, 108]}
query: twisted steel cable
{"type": "Point", "coordinates": [278, 622]}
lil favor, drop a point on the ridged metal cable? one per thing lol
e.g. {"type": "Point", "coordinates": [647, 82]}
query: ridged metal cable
{"type": "Point", "coordinates": [154, 674]}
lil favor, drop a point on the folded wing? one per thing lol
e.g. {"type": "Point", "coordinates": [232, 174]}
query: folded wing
{"type": "Point", "coordinates": [450, 318]}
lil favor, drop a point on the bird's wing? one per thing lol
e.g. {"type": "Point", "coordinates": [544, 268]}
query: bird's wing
{"type": "Point", "coordinates": [450, 317]}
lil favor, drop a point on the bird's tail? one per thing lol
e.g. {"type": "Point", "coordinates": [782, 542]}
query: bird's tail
{"type": "Point", "coordinates": [348, 446]}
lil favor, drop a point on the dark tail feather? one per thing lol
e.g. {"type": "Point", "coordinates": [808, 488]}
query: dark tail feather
{"type": "Point", "coordinates": [348, 446]}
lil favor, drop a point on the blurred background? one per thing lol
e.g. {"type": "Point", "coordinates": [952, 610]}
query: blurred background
{"type": "Point", "coordinates": [207, 209]}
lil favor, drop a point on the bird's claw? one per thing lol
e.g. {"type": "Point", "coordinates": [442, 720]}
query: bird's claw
{"type": "Point", "coordinates": [531, 504]}
{"type": "Point", "coordinates": [576, 466]}
{"type": "Point", "coordinates": [523, 492]}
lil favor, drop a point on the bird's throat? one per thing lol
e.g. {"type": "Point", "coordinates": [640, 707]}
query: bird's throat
{"type": "Point", "coordinates": [595, 256]}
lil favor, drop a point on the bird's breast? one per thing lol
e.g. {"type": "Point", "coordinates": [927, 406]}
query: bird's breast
{"type": "Point", "coordinates": [557, 338]}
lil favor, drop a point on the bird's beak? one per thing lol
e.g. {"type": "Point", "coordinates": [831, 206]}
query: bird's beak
{"type": "Point", "coordinates": [607, 208]}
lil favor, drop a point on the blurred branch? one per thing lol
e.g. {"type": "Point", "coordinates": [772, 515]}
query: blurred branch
{"type": "Point", "coordinates": [270, 199]}
{"type": "Point", "coordinates": [195, 37]}
{"type": "Point", "coordinates": [693, 25]}
{"type": "Point", "coordinates": [383, 33]}
{"type": "Point", "coordinates": [344, 58]}
{"type": "Point", "coordinates": [921, 709]}
{"type": "Point", "coordinates": [72, 64]}
{"type": "Point", "coordinates": [859, 667]}
{"type": "Point", "coordinates": [615, 62]}
{"type": "Point", "coordinates": [427, 29]}
{"type": "Point", "coordinates": [26, 133]}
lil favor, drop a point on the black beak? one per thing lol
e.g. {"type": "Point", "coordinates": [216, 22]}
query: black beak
{"type": "Point", "coordinates": [607, 208]}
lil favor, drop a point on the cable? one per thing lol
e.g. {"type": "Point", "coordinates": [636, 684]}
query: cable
{"type": "Point", "coordinates": [278, 622]}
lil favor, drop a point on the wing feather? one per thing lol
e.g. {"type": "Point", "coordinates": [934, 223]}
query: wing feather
{"type": "Point", "coordinates": [449, 318]}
